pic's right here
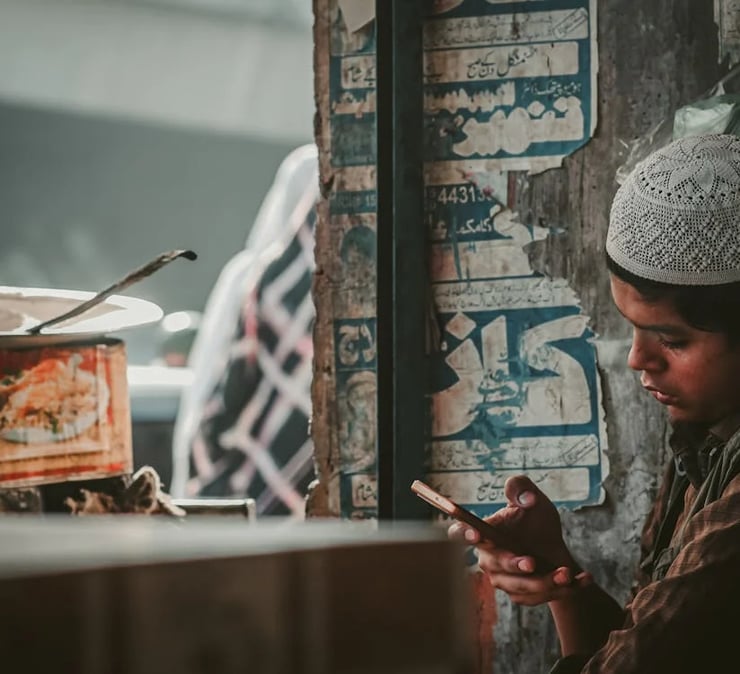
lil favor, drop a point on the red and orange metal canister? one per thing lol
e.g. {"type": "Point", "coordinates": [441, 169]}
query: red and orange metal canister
{"type": "Point", "coordinates": [64, 412]}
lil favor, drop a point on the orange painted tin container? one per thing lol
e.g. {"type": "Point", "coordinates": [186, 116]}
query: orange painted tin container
{"type": "Point", "coordinates": [64, 402]}
{"type": "Point", "coordinates": [64, 413]}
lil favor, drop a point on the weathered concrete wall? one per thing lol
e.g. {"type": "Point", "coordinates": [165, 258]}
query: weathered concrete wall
{"type": "Point", "coordinates": [653, 57]}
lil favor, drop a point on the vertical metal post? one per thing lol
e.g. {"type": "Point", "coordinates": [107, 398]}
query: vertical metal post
{"type": "Point", "coordinates": [402, 257]}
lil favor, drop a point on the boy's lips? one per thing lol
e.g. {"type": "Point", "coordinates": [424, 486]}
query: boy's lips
{"type": "Point", "coordinates": [662, 397]}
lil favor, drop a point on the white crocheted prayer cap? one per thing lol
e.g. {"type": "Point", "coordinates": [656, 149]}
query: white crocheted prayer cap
{"type": "Point", "coordinates": [676, 219]}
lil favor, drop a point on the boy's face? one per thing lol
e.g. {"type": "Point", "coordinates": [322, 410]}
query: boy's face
{"type": "Point", "coordinates": [694, 373]}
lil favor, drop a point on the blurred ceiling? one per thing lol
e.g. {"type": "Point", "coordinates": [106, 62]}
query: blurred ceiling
{"type": "Point", "coordinates": [234, 66]}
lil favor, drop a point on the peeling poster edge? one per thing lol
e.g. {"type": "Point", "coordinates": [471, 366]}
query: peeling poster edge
{"type": "Point", "coordinates": [516, 382]}
{"type": "Point", "coordinates": [489, 70]}
{"type": "Point", "coordinates": [727, 18]}
{"type": "Point", "coordinates": [511, 91]}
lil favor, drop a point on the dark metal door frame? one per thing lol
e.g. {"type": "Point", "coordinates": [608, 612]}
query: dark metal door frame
{"type": "Point", "coordinates": [402, 258]}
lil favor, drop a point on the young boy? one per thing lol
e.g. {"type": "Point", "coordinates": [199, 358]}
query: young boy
{"type": "Point", "coordinates": [673, 252]}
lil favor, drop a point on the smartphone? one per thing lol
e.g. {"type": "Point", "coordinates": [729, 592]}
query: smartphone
{"type": "Point", "coordinates": [502, 539]}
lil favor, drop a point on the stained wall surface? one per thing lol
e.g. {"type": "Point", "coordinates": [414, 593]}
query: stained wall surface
{"type": "Point", "coordinates": [547, 227]}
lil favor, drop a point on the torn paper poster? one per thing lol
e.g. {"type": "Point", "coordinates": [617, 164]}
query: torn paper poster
{"type": "Point", "coordinates": [356, 13]}
{"type": "Point", "coordinates": [727, 18]}
{"type": "Point", "coordinates": [514, 89]}
{"type": "Point", "coordinates": [516, 388]}
{"type": "Point", "coordinates": [516, 384]}
{"type": "Point", "coordinates": [503, 90]}
{"type": "Point", "coordinates": [356, 392]}
{"type": "Point", "coordinates": [347, 258]}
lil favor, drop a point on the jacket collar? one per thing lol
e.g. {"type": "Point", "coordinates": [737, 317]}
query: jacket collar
{"type": "Point", "coordinates": [693, 446]}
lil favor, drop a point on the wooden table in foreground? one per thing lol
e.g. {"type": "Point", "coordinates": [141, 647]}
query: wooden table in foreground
{"type": "Point", "coordinates": [135, 595]}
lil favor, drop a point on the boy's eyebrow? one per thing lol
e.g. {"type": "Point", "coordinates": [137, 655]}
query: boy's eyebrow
{"type": "Point", "coordinates": [656, 327]}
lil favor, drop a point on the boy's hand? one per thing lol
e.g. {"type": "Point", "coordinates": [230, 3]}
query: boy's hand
{"type": "Point", "coordinates": [534, 519]}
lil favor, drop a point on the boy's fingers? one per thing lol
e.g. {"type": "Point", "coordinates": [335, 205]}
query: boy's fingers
{"type": "Point", "coordinates": [581, 580]}
{"type": "Point", "coordinates": [461, 532]}
{"type": "Point", "coordinates": [499, 561]}
{"type": "Point", "coordinates": [507, 562]}
{"type": "Point", "coordinates": [525, 564]}
{"type": "Point", "coordinates": [521, 491]}
{"type": "Point", "coordinates": [455, 531]}
{"type": "Point", "coordinates": [533, 590]}
{"type": "Point", "coordinates": [535, 586]}
{"type": "Point", "coordinates": [562, 576]}
{"type": "Point", "coordinates": [471, 535]}
{"type": "Point", "coordinates": [584, 579]}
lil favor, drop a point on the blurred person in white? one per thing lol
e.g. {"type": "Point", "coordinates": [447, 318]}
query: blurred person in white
{"type": "Point", "coordinates": [242, 427]}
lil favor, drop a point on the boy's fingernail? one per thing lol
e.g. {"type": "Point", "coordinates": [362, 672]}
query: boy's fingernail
{"type": "Point", "coordinates": [525, 498]}
{"type": "Point", "coordinates": [525, 565]}
{"type": "Point", "coordinates": [562, 577]}
{"type": "Point", "coordinates": [470, 536]}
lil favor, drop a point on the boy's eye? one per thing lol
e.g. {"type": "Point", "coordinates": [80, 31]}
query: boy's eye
{"type": "Point", "coordinates": [672, 343]}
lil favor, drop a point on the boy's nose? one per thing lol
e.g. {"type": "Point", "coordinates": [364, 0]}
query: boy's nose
{"type": "Point", "coordinates": [644, 354]}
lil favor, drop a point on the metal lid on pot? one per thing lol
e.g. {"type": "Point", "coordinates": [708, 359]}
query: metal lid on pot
{"type": "Point", "coordinates": [23, 308]}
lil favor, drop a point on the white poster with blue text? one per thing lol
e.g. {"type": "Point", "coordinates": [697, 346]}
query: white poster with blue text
{"type": "Point", "coordinates": [510, 85]}
{"type": "Point", "coordinates": [516, 389]}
